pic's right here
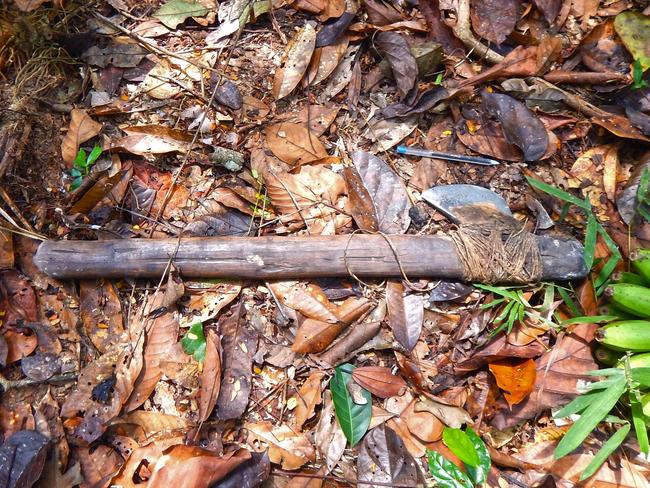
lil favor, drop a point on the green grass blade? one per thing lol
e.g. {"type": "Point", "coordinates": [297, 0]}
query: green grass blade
{"type": "Point", "coordinates": [591, 235]}
{"type": "Point", "coordinates": [609, 447]}
{"type": "Point", "coordinates": [639, 421]}
{"type": "Point", "coordinates": [557, 193]}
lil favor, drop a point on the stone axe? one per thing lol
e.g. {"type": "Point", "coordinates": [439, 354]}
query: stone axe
{"type": "Point", "coordinates": [489, 245]}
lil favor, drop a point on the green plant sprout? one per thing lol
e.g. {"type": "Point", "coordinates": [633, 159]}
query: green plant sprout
{"type": "Point", "coordinates": [637, 76]}
{"type": "Point", "coordinates": [82, 164]}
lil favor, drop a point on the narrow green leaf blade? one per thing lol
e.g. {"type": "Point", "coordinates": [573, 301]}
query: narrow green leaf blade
{"type": "Point", "coordinates": [445, 473]}
{"type": "Point", "coordinates": [461, 445]}
{"type": "Point", "coordinates": [353, 418]}
{"type": "Point", "coordinates": [591, 235]}
{"type": "Point", "coordinates": [577, 405]}
{"type": "Point", "coordinates": [478, 474]}
{"type": "Point", "coordinates": [590, 418]}
{"type": "Point", "coordinates": [609, 447]}
{"type": "Point", "coordinates": [93, 156]}
{"type": "Point", "coordinates": [639, 421]}
{"type": "Point", "coordinates": [557, 193]}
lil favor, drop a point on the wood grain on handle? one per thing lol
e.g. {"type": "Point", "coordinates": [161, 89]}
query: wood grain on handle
{"type": "Point", "coordinates": [279, 257]}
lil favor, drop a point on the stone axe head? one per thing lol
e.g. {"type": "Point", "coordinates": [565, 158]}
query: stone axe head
{"type": "Point", "coordinates": [483, 217]}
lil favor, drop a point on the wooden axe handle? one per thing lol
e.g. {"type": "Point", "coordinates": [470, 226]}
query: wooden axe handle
{"type": "Point", "coordinates": [279, 257]}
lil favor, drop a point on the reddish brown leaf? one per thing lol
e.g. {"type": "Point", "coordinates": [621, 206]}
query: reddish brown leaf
{"type": "Point", "coordinates": [405, 315]}
{"type": "Point", "coordinates": [308, 397]}
{"type": "Point", "coordinates": [193, 467]}
{"type": "Point", "coordinates": [379, 381]}
{"type": "Point", "coordinates": [314, 336]}
{"type": "Point", "coordinates": [296, 60]}
{"type": "Point", "coordinates": [515, 378]}
{"type": "Point", "coordinates": [98, 463]}
{"type": "Point", "coordinates": [19, 345]}
{"type": "Point", "coordinates": [210, 376]}
{"type": "Point", "coordinates": [361, 207]}
{"type": "Point", "coordinates": [494, 20]}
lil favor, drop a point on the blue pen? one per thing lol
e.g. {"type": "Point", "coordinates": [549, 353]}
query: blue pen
{"type": "Point", "coordinates": [424, 153]}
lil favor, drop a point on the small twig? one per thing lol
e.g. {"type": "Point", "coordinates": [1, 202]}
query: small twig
{"type": "Point", "coordinates": [294, 474]}
{"type": "Point", "coordinates": [6, 384]}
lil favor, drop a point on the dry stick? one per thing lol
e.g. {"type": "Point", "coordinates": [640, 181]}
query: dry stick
{"type": "Point", "coordinates": [587, 77]}
{"type": "Point", "coordinates": [6, 384]}
{"type": "Point", "coordinates": [293, 474]}
{"type": "Point", "coordinates": [574, 101]}
{"type": "Point", "coordinates": [464, 33]}
{"type": "Point", "coordinates": [148, 45]}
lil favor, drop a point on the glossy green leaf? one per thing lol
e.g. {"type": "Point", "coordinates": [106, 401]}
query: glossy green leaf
{"type": "Point", "coordinates": [446, 474]}
{"type": "Point", "coordinates": [639, 421]}
{"type": "Point", "coordinates": [460, 444]}
{"type": "Point", "coordinates": [353, 418]}
{"type": "Point", "coordinates": [609, 447]}
{"type": "Point", "coordinates": [590, 418]}
{"type": "Point", "coordinates": [80, 159]}
{"type": "Point", "coordinates": [193, 342]}
{"type": "Point", "coordinates": [478, 474]}
{"type": "Point", "coordinates": [93, 156]}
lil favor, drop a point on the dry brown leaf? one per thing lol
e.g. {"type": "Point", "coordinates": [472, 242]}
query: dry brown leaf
{"type": "Point", "coordinates": [424, 425]}
{"type": "Point", "coordinates": [415, 448]}
{"type": "Point", "coordinates": [152, 422]}
{"type": "Point", "coordinates": [379, 381]}
{"type": "Point", "coordinates": [286, 447]}
{"type": "Point", "coordinates": [309, 300]}
{"type": "Point", "coordinates": [29, 5]}
{"type": "Point", "coordinates": [81, 128]}
{"type": "Point", "coordinates": [101, 312]}
{"type": "Point", "coordinates": [316, 117]}
{"type": "Point", "coordinates": [210, 376]}
{"type": "Point", "coordinates": [405, 315]}
{"type": "Point", "coordinates": [515, 378]}
{"type": "Point", "coordinates": [361, 206]}
{"type": "Point", "coordinates": [325, 60]}
{"type": "Point", "coordinates": [295, 61]}
{"type": "Point", "coordinates": [315, 336]}
{"type": "Point", "coordinates": [308, 397]}
{"type": "Point", "coordinates": [294, 144]}
{"type": "Point", "coordinates": [329, 437]}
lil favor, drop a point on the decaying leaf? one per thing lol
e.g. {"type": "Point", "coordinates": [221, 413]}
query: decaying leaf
{"type": "Point", "coordinates": [286, 447]}
{"type": "Point", "coordinates": [449, 415]}
{"type": "Point", "coordinates": [175, 12]}
{"type": "Point", "coordinates": [294, 144]}
{"type": "Point", "coordinates": [81, 128]}
{"type": "Point", "coordinates": [515, 378]}
{"type": "Point", "coordinates": [210, 376]}
{"type": "Point", "coordinates": [309, 396]}
{"type": "Point", "coordinates": [250, 473]}
{"type": "Point", "coordinates": [494, 20]}
{"type": "Point", "coordinates": [330, 438]}
{"type": "Point", "coordinates": [295, 62]}
{"type": "Point", "coordinates": [402, 62]}
{"type": "Point", "coordinates": [101, 312]}
{"type": "Point", "coordinates": [387, 191]}
{"type": "Point", "coordinates": [22, 458]}
{"type": "Point", "coordinates": [405, 315]}
{"type": "Point", "coordinates": [239, 344]}
{"type": "Point", "coordinates": [634, 30]}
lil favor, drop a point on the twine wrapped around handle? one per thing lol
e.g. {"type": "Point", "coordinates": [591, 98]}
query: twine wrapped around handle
{"type": "Point", "coordinates": [498, 251]}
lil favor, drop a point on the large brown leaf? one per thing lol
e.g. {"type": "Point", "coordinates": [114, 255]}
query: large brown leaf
{"type": "Point", "coordinates": [294, 143]}
{"type": "Point", "coordinates": [361, 206]}
{"type": "Point", "coordinates": [494, 20]}
{"type": "Point", "coordinates": [239, 344]}
{"type": "Point", "coordinates": [398, 53]}
{"type": "Point", "coordinates": [194, 467]}
{"type": "Point", "coordinates": [405, 314]}
{"type": "Point", "coordinates": [379, 381]}
{"type": "Point", "coordinates": [22, 458]}
{"type": "Point", "coordinates": [82, 128]}
{"type": "Point", "coordinates": [558, 373]}
{"type": "Point", "coordinates": [210, 376]}
{"type": "Point", "coordinates": [521, 126]}
{"type": "Point", "coordinates": [295, 62]}
{"type": "Point", "coordinates": [387, 191]}
{"type": "Point", "coordinates": [315, 336]}
{"type": "Point", "coordinates": [515, 378]}
{"type": "Point", "coordinates": [101, 312]}
{"type": "Point", "coordinates": [286, 447]}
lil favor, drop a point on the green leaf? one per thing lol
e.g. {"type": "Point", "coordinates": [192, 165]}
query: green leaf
{"type": "Point", "coordinates": [634, 30]}
{"type": "Point", "coordinates": [591, 235]}
{"type": "Point", "coordinates": [557, 193]}
{"type": "Point", "coordinates": [641, 375]}
{"type": "Point", "coordinates": [609, 447]}
{"type": "Point", "coordinates": [353, 418]}
{"type": "Point", "coordinates": [193, 342]}
{"type": "Point", "coordinates": [175, 12]}
{"type": "Point", "coordinates": [76, 183]}
{"type": "Point", "coordinates": [478, 474]}
{"type": "Point", "coordinates": [566, 297]}
{"type": "Point", "coordinates": [94, 154]}
{"type": "Point", "coordinates": [577, 405]}
{"type": "Point", "coordinates": [460, 444]}
{"type": "Point", "coordinates": [589, 319]}
{"type": "Point", "coordinates": [637, 76]}
{"type": "Point", "coordinates": [639, 421]}
{"type": "Point", "coordinates": [590, 418]}
{"type": "Point", "coordinates": [644, 186]}
{"type": "Point", "coordinates": [80, 159]}
{"type": "Point", "coordinates": [445, 473]}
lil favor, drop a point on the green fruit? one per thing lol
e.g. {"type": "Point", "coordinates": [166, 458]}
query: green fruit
{"type": "Point", "coordinates": [640, 260]}
{"type": "Point", "coordinates": [627, 277]}
{"type": "Point", "coordinates": [607, 356]}
{"type": "Point", "coordinates": [630, 298]}
{"type": "Point", "coordinates": [626, 335]}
